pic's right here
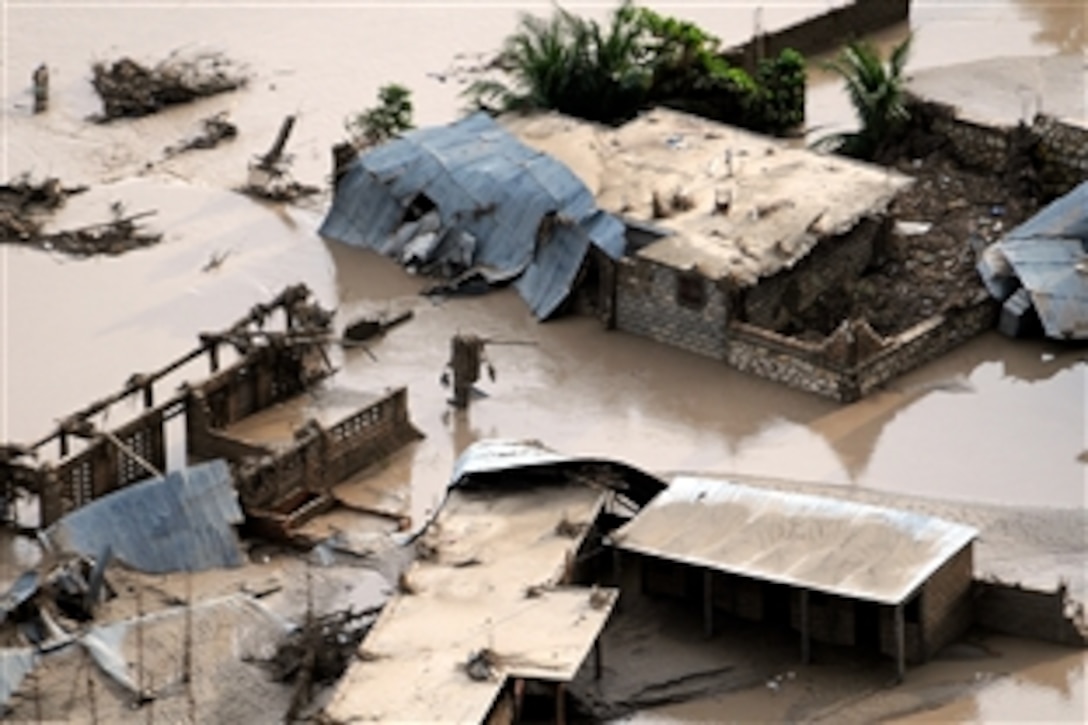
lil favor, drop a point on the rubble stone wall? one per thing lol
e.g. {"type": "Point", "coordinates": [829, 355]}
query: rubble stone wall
{"type": "Point", "coordinates": [647, 304]}
{"type": "Point", "coordinates": [782, 359]}
{"type": "Point", "coordinates": [925, 341]}
{"type": "Point", "coordinates": [1062, 153]}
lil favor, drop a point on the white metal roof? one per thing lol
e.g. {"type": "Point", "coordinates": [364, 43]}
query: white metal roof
{"type": "Point", "coordinates": [814, 542]}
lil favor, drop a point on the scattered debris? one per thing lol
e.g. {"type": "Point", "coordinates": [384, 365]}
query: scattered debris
{"type": "Point", "coordinates": [570, 529]}
{"type": "Point", "coordinates": [368, 327]}
{"type": "Point", "coordinates": [24, 205]}
{"type": "Point", "coordinates": [129, 89]}
{"type": "Point", "coordinates": [480, 665]}
{"type": "Point", "coordinates": [213, 131]}
{"type": "Point", "coordinates": [215, 261]}
{"type": "Point", "coordinates": [322, 648]}
{"type": "Point", "coordinates": [269, 176]}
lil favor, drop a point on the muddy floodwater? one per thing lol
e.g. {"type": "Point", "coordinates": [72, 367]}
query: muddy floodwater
{"type": "Point", "coordinates": [996, 421]}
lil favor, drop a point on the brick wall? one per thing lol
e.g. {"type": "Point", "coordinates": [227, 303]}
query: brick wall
{"type": "Point", "coordinates": [782, 359]}
{"type": "Point", "coordinates": [1062, 153]}
{"type": "Point", "coordinates": [946, 608]}
{"type": "Point", "coordinates": [647, 305]}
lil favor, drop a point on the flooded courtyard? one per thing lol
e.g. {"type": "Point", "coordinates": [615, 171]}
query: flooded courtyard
{"type": "Point", "coordinates": [997, 422]}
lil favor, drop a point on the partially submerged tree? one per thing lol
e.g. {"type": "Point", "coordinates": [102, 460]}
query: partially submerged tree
{"type": "Point", "coordinates": [875, 88]}
{"type": "Point", "coordinates": [639, 58]}
{"type": "Point", "coordinates": [392, 116]}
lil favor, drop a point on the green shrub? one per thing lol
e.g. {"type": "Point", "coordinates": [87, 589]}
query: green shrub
{"type": "Point", "coordinates": [392, 116]}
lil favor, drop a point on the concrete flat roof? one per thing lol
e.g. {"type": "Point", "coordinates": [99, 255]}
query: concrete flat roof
{"type": "Point", "coordinates": [822, 544]}
{"type": "Point", "coordinates": [783, 197]}
{"type": "Point", "coordinates": [489, 547]}
{"type": "Point", "coordinates": [1006, 91]}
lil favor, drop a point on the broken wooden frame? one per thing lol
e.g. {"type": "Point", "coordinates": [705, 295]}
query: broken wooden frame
{"type": "Point", "coordinates": [273, 367]}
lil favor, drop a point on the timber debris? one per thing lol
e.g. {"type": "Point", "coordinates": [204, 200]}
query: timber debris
{"type": "Point", "coordinates": [269, 174]}
{"type": "Point", "coordinates": [213, 131]}
{"type": "Point", "coordinates": [25, 205]}
{"type": "Point", "coordinates": [130, 89]}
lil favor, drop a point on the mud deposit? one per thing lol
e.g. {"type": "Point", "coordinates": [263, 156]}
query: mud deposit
{"type": "Point", "coordinates": [995, 422]}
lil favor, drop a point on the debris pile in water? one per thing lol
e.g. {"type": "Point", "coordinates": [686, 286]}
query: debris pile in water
{"type": "Point", "coordinates": [213, 131]}
{"type": "Point", "coordinates": [24, 205]}
{"type": "Point", "coordinates": [129, 89]}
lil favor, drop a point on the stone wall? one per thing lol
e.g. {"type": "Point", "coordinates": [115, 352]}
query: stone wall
{"type": "Point", "coordinates": [647, 304]}
{"type": "Point", "coordinates": [1056, 149]}
{"type": "Point", "coordinates": [823, 33]}
{"type": "Point", "coordinates": [783, 359]}
{"type": "Point", "coordinates": [847, 375]}
{"type": "Point", "coordinates": [925, 341]}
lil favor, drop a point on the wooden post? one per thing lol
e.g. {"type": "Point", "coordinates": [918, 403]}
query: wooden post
{"type": "Point", "coordinates": [806, 649]}
{"type": "Point", "coordinates": [270, 159]}
{"type": "Point", "coordinates": [598, 659]}
{"type": "Point", "coordinates": [560, 704]}
{"type": "Point", "coordinates": [149, 395]}
{"type": "Point", "coordinates": [213, 357]}
{"type": "Point", "coordinates": [41, 88]}
{"type": "Point", "coordinates": [900, 644]}
{"type": "Point", "coordinates": [62, 440]}
{"type": "Point", "coordinates": [708, 603]}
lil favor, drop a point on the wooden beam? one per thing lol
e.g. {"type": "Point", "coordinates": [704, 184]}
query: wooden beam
{"type": "Point", "coordinates": [806, 645]}
{"type": "Point", "coordinates": [708, 603]}
{"type": "Point", "coordinates": [560, 704]}
{"type": "Point", "coordinates": [900, 644]}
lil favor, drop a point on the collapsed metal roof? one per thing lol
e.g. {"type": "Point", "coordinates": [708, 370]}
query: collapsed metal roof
{"type": "Point", "coordinates": [1048, 256]}
{"type": "Point", "coordinates": [491, 194]}
{"type": "Point", "coordinates": [818, 543]}
{"type": "Point", "coordinates": [182, 522]}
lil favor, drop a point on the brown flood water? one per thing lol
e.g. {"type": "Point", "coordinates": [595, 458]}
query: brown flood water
{"type": "Point", "coordinates": [996, 421]}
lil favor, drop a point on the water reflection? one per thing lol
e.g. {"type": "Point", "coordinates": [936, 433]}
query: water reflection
{"type": "Point", "coordinates": [1061, 23]}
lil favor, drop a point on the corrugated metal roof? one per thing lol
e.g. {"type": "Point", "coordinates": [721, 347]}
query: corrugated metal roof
{"type": "Point", "coordinates": [15, 664]}
{"type": "Point", "coordinates": [823, 544]}
{"type": "Point", "coordinates": [1049, 255]}
{"type": "Point", "coordinates": [183, 522]}
{"type": "Point", "coordinates": [485, 182]}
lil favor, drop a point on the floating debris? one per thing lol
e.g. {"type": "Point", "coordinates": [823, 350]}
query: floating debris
{"type": "Point", "coordinates": [129, 89]}
{"type": "Point", "coordinates": [213, 131]}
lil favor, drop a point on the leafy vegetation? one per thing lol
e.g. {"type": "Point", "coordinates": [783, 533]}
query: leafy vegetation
{"type": "Point", "coordinates": [637, 59]}
{"type": "Point", "coordinates": [392, 116]}
{"type": "Point", "coordinates": [875, 88]}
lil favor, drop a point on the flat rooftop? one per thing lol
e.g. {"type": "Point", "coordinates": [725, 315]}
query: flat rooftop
{"type": "Point", "coordinates": [824, 544]}
{"type": "Point", "coordinates": [490, 580]}
{"type": "Point", "coordinates": [782, 198]}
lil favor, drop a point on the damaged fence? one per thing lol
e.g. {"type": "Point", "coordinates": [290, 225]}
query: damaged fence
{"type": "Point", "coordinates": [274, 366]}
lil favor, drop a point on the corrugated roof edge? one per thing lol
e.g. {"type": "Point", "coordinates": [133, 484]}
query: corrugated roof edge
{"type": "Point", "coordinates": [962, 535]}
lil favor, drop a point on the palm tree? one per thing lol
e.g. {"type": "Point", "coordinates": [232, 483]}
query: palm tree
{"type": "Point", "coordinates": [875, 89]}
{"type": "Point", "coordinates": [572, 65]}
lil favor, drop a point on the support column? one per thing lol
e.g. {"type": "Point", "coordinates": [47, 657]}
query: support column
{"type": "Point", "coordinates": [213, 357]}
{"type": "Point", "coordinates": [900, 644]}
{"type": "Point", "coordinates": [598, 659]}
{"type": "Point", "coordinates": [708, 603]}
{"type": "Point", "coordinates": [149, 395]}
{"type": "Point", "coordinates": [806, 646]}
{"type": "Point", "coordinates": [560, 704]}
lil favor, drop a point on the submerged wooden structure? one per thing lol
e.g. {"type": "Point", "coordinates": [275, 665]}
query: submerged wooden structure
{"type": "Point", "coordinates": [280, 486]}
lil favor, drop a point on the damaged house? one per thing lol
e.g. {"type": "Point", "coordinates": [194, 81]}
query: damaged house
{"type": "Point", "coordinates": [1039, 271]}
{"type": "Point", "coordinates": [470, 204]}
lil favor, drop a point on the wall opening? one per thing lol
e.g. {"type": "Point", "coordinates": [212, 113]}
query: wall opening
{"type": "Point", "coordinates": [691, 291]}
